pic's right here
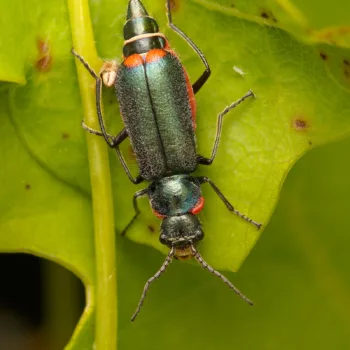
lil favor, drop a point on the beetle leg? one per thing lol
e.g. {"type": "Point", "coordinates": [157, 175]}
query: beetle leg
{"type": "Point", "coordinates": [138, 179]}
{"type": "Point", "coordinates": [86, 65]}
{"type": "Point", "coordinates": [207, 161]}
{"type": "Point", "coordinates": [137, 195]}
{"type": "Point", "coordinates": [204, 179]}
{"type": "Point", "coordinates": [93, 131]}
{"type": "Point", "coordinates": [164, 266]}
{"type": "Point", "coordinates": [206, 74]}
{"type": "Point", "coordinates": [114, 140]}
{"type": "Point", "coordinates": [98, 92]}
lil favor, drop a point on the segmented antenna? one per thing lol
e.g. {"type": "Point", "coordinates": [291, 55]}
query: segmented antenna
{"type": "Point", "coordinates": [166, 263]}
{"type": "Point", "coordinates": [218, 274]}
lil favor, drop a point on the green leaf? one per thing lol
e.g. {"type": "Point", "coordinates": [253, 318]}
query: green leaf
{"type": "Point", "coordinates": [312, 20]}
{"type": "Point", "coordinates": [302, 101]}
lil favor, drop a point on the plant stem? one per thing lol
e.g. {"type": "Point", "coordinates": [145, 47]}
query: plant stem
{"type": "Point", "coordinates": [106, 281]}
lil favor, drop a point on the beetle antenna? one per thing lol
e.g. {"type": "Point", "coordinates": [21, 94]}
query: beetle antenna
{"type": "Point", "coordinates": [204, 264]}
{"type": "Point", "coordinates": [166, 263]}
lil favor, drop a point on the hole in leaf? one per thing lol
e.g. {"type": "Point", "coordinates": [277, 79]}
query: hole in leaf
{"type": "Point", "coordinates": [40, 303]}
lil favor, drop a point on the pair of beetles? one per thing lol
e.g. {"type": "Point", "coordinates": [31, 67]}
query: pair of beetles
{"type": "Point", "coordinates": [158, 108]}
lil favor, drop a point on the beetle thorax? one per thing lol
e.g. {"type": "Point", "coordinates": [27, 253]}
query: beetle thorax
{"type": "Point", "coordinates": [174, 195]}
{"type": "Point", "coordinates": [141, 32]}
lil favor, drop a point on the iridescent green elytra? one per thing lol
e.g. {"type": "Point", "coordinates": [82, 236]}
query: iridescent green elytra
{"type": "Point", "coordinates": [160, 128]}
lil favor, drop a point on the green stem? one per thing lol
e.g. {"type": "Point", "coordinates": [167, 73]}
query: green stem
{"type": "Point", "coordinates": [106, 281]}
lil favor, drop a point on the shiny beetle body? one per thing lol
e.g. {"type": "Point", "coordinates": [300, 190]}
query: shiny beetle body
{"type": "Point", "coordinates": [158, 109]}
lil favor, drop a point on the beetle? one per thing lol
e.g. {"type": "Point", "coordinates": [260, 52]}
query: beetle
{"type": "Point", "coordinates": [158, 108]}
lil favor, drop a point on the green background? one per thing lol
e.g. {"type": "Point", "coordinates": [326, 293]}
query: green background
{"type": "Point", "coordinates": [295, 58]}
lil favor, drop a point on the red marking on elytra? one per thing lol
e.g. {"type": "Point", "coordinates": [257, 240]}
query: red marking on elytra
{"type": "Point", "coordinates": [190, 92]}
{"type": "Point", "coordinates": [192, 99]}
{"type": "Point", "coordinates": [198, 207]}
{"type": "Point", "coordinates": [158, 215]}
{"type": "Point", "coordinates": [133, 61]}
{"type": "Point", "coordinates": [155, 55]}
{"type": "Point", "coordinates": [167, 45]}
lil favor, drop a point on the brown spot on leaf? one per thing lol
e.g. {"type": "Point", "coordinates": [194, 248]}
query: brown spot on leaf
{"type": "Point", "coordinates": [310, 143]}
{"type": "Point", "coordinates": [268, 15]}
{"type": "Point", "coordinates": [265, 15]}
{"type": "Point", "coordinates": [346, 68]}
{"type": "Point", "coordinates": [300, 124]}
{"type": "Point", "coordinates": [151, 228]}
{"type": "Point", "coordinates": [323, 56]}
{"type": "Point", "coordinates": [174, 5]}
{"type": "Point", "coordinates": [44, 59]}
{"type": "Point", "coordinates": [334, 35]}
{"type": "Point", "coordinates": [27, 187]}
{"type": "Point", "coordinates": [43, 46]}
{"type": "Point", "coordinates": [65, 136]}
{"type": "Point", "coordinates": [44, 64]}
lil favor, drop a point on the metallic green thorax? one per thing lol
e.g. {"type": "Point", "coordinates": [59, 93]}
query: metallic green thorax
{"type": "Point", "coordinates": [174, 195]}
{"type": "Point", "coordinates": [138, 23]}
